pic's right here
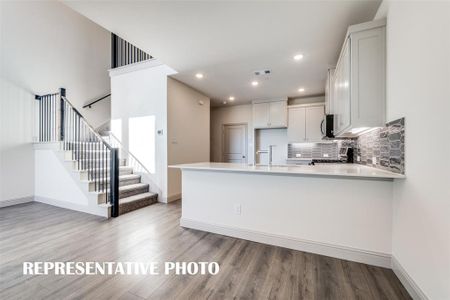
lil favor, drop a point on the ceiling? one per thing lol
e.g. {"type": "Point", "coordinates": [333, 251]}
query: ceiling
{"type": "Point", "coordinates": [228, 41]}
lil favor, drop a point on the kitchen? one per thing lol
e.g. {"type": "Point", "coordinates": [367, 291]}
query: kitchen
{"type": "Point", "coordinates": [307, 164]}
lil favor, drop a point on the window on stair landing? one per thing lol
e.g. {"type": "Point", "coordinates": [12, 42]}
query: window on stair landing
{"type": "Point", "coordinates": [142, 140]}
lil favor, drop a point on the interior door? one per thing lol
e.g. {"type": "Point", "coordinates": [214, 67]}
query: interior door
{"type": "Point", "coordinates": [314, 127]}
{"type": "Point", "coordinates": [235, 143]}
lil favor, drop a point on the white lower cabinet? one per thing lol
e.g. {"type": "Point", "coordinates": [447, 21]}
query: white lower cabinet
{"type": "Point", "coordinates": [306, 123]}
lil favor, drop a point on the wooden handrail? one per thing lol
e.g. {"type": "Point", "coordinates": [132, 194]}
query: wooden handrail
{"type": "Point", "coordinates": [95, 101]}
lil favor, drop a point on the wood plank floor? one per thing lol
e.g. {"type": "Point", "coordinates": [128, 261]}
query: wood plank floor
{"type": "Point", "coordinates": [38, 232]}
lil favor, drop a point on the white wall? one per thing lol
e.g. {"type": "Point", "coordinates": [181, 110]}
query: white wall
{"type": "Point", "coordinates": [230, 115]}
{"type": "Point", "coordinates": [16, 134]}
{"type": "Point", "coordinates": [138, 91]}
{"type": "Point", "coordinates": [275, 137]}
{"type": "Point", "coordinates": [188, 127]}
{"type": "Point", "coordinates": [418, 74]}
{"type": "Point", "coordinates": [45, 45]}
{"type": "Point", "coordinates": [50, 170]}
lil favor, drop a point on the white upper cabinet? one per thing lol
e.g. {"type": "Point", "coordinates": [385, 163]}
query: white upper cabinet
{"type": "Point", "coordinates": [359, 93]}
{"type": "Point", "coordinates": [342, 98]}
{"type": "Point", "coordinates": [297, 125]}
{"type": "Point", "coordinates": [306, 123]}
{"type": "Point", "coordinates": [329, 91]}
{"type": "Point", "coordinates": [261, 117]}
{"type": "Point", "coordinates": [315, 127]}
{"type": "Point", "coordinates": [270, 114]}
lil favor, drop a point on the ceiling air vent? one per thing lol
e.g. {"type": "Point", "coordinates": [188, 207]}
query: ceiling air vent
{"type": "Point", "coordinates": [262, 72]}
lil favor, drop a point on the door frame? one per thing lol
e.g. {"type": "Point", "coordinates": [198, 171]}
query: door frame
{"type": "Point", "coordinates": [224, 125]}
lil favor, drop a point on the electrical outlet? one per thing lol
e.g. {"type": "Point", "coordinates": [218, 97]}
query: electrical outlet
{"type": "Point", "coordinates": [358, 158]}
{"type": "Point", "coordinates": [298, 155]}
{"type": "Point", "coordinates": [374, 160]}
{"type": "Point", "coordinates": [237, 209]}
{"type": "Point", "coordinates": [326, 155]}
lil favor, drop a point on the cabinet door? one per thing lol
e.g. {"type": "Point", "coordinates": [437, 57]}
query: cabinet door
{"type": "Point", "coordinates": [329, 91]}
{"type": "Point", "coordinates": [297, 121]}
{"type": "Point", "coordinates": [314, 123]}
{"type": "Point", "coordinates": [278, 114]}
{"type": "Point", "coordinates": [342, 91]}
{"type": "Point", "coordinates": [368, 78]}
{"type": "Point", "coordinates": [261, 115]}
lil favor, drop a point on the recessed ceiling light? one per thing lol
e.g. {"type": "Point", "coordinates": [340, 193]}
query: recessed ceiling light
{"type": "Point", "coordinates": [255, 83]}
{"type": "Point", "coordinates": [231, 98]}
{"type": "Point", "coordinates": [224, 102]}
{"type": "Point", "coordinates": [301, 90]}
{"type": "Point", "coordinates": [298, 56]}
{"type": "Point", "coordinates": [199, 75]}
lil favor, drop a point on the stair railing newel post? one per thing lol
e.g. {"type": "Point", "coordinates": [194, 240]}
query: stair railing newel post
{"type": "Point", "coordinates": [62, 93]}
{"type": "Point", "coordinates": [114, 182]}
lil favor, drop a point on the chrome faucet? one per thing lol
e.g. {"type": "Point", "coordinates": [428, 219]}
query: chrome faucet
{"type": "Point", "coordinates": [268, 151]}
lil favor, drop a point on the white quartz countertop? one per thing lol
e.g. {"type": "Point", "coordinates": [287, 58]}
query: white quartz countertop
{"type": "Point", "coordinates": [330, 169]}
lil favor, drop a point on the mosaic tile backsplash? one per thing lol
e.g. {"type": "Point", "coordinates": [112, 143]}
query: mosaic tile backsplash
{"type": "Point", "coordinates": [386, 145]}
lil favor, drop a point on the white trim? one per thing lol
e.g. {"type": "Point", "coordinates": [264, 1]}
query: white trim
{"type": "Point", "coordinates": [342, 252]}
{"type": "Point", "coordinates": [11, 202]}
{"type": "Point", "coordinates": [47, 146]}
{"type": "Point", "coordinates": [314, 104]}
{"type": "Point", "coordinates": [99, 210]}
{"type": "Point", "coordinates": [410, 285]}
{"type": "Point", "coordinates": [150, 63]}
{"type": "Point", "coordinates": [267, 100]}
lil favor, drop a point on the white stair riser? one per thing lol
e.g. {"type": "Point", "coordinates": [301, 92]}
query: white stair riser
{"type": "Point", "coordinates": [100, 173]}
{"type": "Point", "coordinates": [121, 183]}
{"type": "Point", "coordinates": [80, 164]}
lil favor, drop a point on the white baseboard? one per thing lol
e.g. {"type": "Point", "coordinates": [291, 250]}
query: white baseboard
{"type": "Point", "coordinates": [410, 285]}
{"type": "Point", "coordinates": [99, 210]}
{"type": "Point", "coordinates": [347, 253]}
{"type": "Point", "coordinates": [10, 202]}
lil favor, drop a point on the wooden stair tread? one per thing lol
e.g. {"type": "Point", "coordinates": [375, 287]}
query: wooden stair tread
{"type": "Point", "coordinates": [132, 186]}
{"type": "Point", "coordinates": [137, 197]}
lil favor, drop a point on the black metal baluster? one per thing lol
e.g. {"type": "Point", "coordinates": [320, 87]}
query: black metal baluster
{"type": "Point", "coordinates": [114, 182]}
{"type": "Point", "coordinates": [88, 153]}
{"type": "Point", "coordinates": [45, 118]}
{"type": "Point", "coordinates": [48, 118]}
{"type": "Point", "coordinates": [53, 117]}
{"type": "Point", "coordinates": [40, 119]}
{"type": "Point", "coordinates": [72, 133]}
{"type": "Point", "coordinates": [94, 165]}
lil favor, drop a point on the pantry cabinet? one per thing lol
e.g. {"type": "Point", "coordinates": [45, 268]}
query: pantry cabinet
{"type": "Point", "coordinates": [306, 123]}
{"type": "Point", "coordinates": [359, 91]}
{"type": "Point", "coordinates": [270, 114]}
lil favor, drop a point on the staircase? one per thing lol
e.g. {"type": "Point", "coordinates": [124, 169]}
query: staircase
{"type": "Point", "coordinates": [133, 193]}
{"type": "Point", "coordinates": [111, 174]}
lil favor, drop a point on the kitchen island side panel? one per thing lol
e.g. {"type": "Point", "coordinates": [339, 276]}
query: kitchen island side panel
{"type": "Point", "coordinates": [350, 213]}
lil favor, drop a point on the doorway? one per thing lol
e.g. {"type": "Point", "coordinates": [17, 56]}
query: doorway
{"type": "Point", "coordinates": [234, 149]}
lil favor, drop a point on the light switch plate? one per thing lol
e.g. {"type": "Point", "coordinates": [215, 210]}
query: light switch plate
{"type": "Point", "coordinates": [374, 160]}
